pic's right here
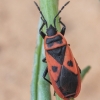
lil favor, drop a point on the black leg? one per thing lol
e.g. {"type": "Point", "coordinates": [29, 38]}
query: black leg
{"type": "Point", "coordinates": [79, 69]}
{"type": "Point", "coordinates": [42, 33]}
{"type": "Point", "coordinates": [78, 66]}
{"type": "Point", "coordinates": [44, 60]}
{"type": "Point", "coordinates": [44, 75]}
{"type": "Point", "coordinates": [69, 44]}
{"type": "Point", "coordinates": [64, 27]}
{"type": "Point", "coordinates": [54, 93]}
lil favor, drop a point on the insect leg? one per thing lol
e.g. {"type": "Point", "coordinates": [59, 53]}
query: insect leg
{"type": "Point", "coordinates": [44, 60]}
{"type": "Point", "coordinates": [64, 27]}
{"type": "Point", "coordinates": [40, 30]}
{"type": "Point", "coordinates": [79, 69]}
{"type": "Point", "coordinates": [54, 93]}
{"type": "Point", "coordinates": [69, 44]}
{"type": "Point", "coordinates": [44, 75]}
{"type": "Point", "coordinates": [78, 66]}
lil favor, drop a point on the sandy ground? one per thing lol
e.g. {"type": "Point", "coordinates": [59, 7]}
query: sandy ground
{"type": "Point", "coordinates": [18, 31]}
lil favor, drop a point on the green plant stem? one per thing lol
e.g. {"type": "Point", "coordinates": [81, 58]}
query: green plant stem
{"type": "Point", "coordinates": [40, 89]}
{"type": "Point", "coordinates": [50, 9]}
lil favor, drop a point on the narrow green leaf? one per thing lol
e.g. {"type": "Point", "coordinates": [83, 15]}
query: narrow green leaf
{"type": "Point", "coordinates": [85, 71]}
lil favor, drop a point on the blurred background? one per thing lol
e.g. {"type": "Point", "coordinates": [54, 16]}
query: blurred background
{"type": "Point", "coordinates": [18, 32]}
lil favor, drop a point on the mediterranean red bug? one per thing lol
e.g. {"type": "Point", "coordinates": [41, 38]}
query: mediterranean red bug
{"type": "Point", "coordinates": [62, 67]}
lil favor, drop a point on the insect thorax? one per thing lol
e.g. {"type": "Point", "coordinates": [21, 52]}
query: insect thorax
{"type": "Point", "coordinates": [51, 31]}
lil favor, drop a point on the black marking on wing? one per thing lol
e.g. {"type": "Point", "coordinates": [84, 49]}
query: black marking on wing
{"type": "Point", "coordinates": [54, 68]}
{"type": "Point", "coordinates": [54, 39]}
{"type": "Point", "coordinates": [50, 41]}
{"type": "Point", "coordinates": [58, 54]}
{"type": "Point", "coordinates": [50, 44]}
{"type": "Point", "coordinates": [70, 63]}
{"type": "Point", "coordinates": [67, 82]}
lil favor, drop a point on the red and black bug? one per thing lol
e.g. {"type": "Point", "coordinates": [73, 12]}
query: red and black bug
{"type": "Point", "coordinates": [62, 67]}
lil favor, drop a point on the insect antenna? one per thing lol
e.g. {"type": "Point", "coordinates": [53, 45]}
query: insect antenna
{"type": "Point", "coordinates": [41, 13]}
{"type": "Point", "coordinates": [59, 13]}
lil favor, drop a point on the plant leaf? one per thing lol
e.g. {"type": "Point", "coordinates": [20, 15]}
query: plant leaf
{"type": "Point", "coordinates": [85, 71]}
